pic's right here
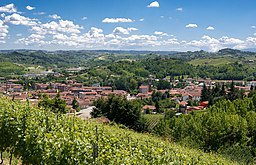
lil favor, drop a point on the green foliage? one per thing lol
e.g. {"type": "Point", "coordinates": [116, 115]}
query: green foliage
{"type": "Point", "coordinates": [227, 127]}
{"type": "Point", "coordinates": [8, 69]}
{"type": "Point", "coordinates": [39, 137]}
{"type": "Point", "coordinates": [75, 104]}
{"type": "Point", "coordinates": [56, 105]}
{"type": "Point", "coordinates": [119, 110]}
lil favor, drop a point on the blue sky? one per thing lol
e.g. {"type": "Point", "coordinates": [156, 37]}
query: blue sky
{"type": "Point", "coordinates": [179, 25]}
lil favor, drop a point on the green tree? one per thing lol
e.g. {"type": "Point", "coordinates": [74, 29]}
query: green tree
{"type": "Point", "coordinates": [56, 105]}
{"type": "Point", "coordinates": [119, 110]}
{"type": "Point", "coordinates": [75, 105]}
{"type": "Point", "coordinates": [205, 93]}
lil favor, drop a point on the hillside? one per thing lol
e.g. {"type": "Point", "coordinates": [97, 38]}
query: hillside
{"type": "Point", "coordinates": [40, 137]}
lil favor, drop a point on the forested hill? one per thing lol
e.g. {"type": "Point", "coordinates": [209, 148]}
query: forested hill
{"type": "Point", "coordinates": [81, 57]}
{"type": "Point", "coordinates": [224, 64]}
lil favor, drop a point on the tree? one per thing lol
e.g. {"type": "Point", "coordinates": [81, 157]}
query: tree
{"type": "Point", "coordinates": [205, 94]}
{"type": "Point", "coordinates": [75, 105]}
{"type": "Point", "coordinates": [119, 110]}
{"type": "Point", "coordinates": [223, 92]}
{"type": "Point", "coordinates": [162, 84]}
{"type": "Point", "coordinates": [56, 105]}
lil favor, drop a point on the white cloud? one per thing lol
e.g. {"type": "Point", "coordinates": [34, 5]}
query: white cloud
{"type": "Point", "coordinates": [160, 33]}
{"type": "Point", "coordinates": [30, 8]}
{"type": "Point", "coordinates": [253, 27]}
{"type": "Point", "coordinates": [254, 34]}
{"type": "Point", "coordinates": [55, 16]}
{"type": "Point", "coordinates": [19, 35]}
{"type": "Point", "coordinates": [161, 16]}
{"type": "Point", "coordinates": [84, 18]}
{"type": "Point", "coordinates": [2, 15]}
{"type": "Point", "coordinates": [179, 9]}
{"type": "Point", "coordinates": [116, 20]}
{"type": "Point", "coordinates": [10, 8]}
{"type": "Point", "coordinates": [142, 19]}
{"type": "Point", "coordinates": [32, 39]}
{"type": "Point", "coordinates": [3, 31]}
{"type": "Point", "coordinates": [17, 19]}
{"type": "Point", "coordinates": [132, 29]}
{"type": "Point", "coordinates": [230, 41]}
{"type": "Point", "coordinates": [212, 44]}
{"type": "Point", "coordinates": [95, 33]}
{"type": "Point", "coordinates": [154, 4]}
{"type": "Point", "coordinates": [121, 30]}
{"type": "Point", "coordinates": [62, 26]}
{"type": "Point", "coordinates": [191, 25]}
{"type": "Point", "coordinates": [210, 28]}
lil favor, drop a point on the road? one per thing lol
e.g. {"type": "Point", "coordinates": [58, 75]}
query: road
{"type": "Point", "coordinates": [85, 113]}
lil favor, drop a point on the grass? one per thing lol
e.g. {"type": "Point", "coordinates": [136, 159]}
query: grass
{"type": "Point", "coordinates": [215, 61]}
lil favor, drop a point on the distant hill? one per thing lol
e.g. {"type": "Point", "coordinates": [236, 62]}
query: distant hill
{"type": "Point", "coordinates": [74, 58]}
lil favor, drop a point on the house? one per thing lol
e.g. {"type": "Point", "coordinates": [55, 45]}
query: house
{"type": "Point", "coordinates": [148, 107]}
{"type": "Point", "coordinates": [39, 86]}
{"type": "Point", "coordinates": [184, 95]}
{"type": "Point", "coordinates": [204, 103]}
{"type": "Point", "coordinates": [144, 89]}
{"type": "Point", "coordinates": [78, 85]}
{"type": "Point", "coordinates": [183, 107]}
{"type": "Point", "coordinates": [142, 96]}
{"type": "Point", "coordinates": [62, 87]}
{"type": "Point", "coordinates": [17, 88]}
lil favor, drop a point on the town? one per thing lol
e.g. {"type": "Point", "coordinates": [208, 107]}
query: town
{"type": "Point", "coordinates": [86, 95]}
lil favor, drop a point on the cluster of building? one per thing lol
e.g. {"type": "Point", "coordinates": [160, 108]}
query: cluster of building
{"type": "Point", "coordinates": [86, 95]}
{"type": "Point", "coordinates": [191, 92]}
{"type": "Point", "coordinates": [71, 89]}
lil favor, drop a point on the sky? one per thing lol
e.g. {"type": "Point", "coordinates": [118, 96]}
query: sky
{"type": "Point", "coordinates": [162, 25]}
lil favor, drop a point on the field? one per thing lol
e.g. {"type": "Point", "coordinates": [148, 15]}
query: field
{"type": "Point", "coordinates": [214, 61]}
{"type": "Point", "coordinates": [152, 120]}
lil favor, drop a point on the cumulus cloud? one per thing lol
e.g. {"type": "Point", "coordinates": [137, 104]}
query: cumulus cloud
{"type": "Point", "coordinates": [32, 39]}
{"type": "Point", "coordinates": [117, 20]}
{"type": "Point", "coordinates": [191, 25]}
{"type": "Point", "coordinates": [121, 30]}
{"type": "Point", "coordinates": [142, 19]}
{"type": "Point", "coordinates": [210, 28]}
{"type": "Point", "coordinates": [30, 8]}
{"type": "Point", "coordinates": [18, 19]}
{"type": "Point", "coordinates": [212, 44]}
{"type": "Point", "coordinates": [10, 8]}
{"type": "Point", "coordinates": [3, 31]}
{"type": "Point", "coordinates": [253, 27]}
{"type": "Point", "coordinates": [62, 26]}
{"type": "Point", "coordinates": [55, 16]}
{"type": "Point", "coordinates": [160, 33]}
{"type": "Point", "coordinates": [154, 4]}
{"type": "Point", "coordinates": [179, 9]}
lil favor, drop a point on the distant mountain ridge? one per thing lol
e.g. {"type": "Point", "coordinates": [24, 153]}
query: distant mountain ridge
{"type": "Point", "coordinates": [75, 58]}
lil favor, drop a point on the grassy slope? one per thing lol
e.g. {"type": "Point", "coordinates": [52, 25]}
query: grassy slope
{"type": "Point", "coordinates": [216, 61]}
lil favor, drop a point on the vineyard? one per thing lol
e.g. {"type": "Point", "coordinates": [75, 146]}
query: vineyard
{"type": "Point", "coordinates": [37, 136]}
{"type": "Point", "coordinates": [152, 120]}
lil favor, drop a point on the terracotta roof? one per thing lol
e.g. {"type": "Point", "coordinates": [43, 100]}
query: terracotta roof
{"type": "Point", "coordinates": [183, 103]}
{"type": "Point", "coordinates": [151, 107]}
{"type": "Point", "coordinates": [143, 87]}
